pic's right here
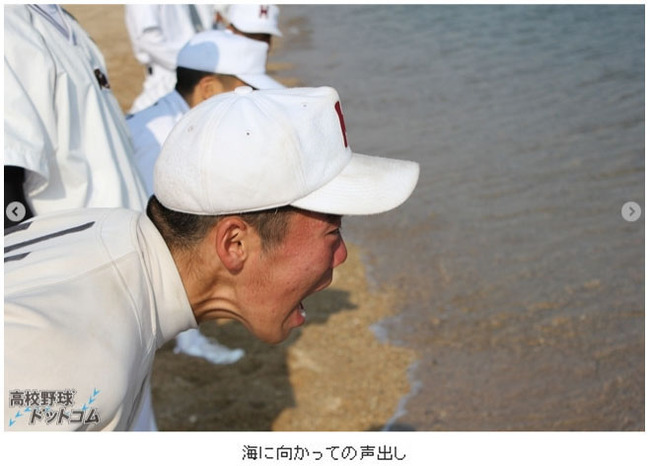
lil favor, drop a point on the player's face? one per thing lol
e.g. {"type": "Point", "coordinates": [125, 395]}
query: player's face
{"type": "Point", "coordinates": [285, 275]}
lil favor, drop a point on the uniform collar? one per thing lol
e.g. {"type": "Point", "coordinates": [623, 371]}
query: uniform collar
{"type": "Point", "coordinates": [55, 16]}
{"type": "Point", "coordinates": [173, 311]}
{"type": "Point", "coordinates": [177, 99]}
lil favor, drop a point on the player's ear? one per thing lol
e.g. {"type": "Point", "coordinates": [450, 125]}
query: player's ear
{"type": "Point", "coordinates": [210, 86]}
{"type": "Point", "coordinates": [233, 241]}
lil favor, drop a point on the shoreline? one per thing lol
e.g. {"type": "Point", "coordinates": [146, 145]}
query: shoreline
{"type": "Point", "coordinates": [333, 374]}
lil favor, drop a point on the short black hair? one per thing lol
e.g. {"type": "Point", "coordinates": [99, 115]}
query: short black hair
{"type": "Point", "coordinates": [182, 231]}
{"type": "Point", "coordinates": [187, 79]}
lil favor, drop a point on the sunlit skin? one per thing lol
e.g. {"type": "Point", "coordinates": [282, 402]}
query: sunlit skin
{"type": "Point", "coordinates": [231, 276]}
{"type": "Point", "coordinates": [210, 86]}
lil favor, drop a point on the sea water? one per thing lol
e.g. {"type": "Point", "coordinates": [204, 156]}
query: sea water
{"type": "Point", "coordinates": [523, 284]}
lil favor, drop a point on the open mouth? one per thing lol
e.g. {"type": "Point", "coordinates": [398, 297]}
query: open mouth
{"type": "Point", "coordinates": [298, 316]}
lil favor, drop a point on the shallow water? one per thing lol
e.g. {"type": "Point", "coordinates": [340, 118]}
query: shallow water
{"type": "Point", "coordinates": [523, 284]}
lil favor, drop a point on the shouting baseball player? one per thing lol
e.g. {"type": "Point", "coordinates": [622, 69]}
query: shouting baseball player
{"type": "Point", "coordinates": [249, 193]}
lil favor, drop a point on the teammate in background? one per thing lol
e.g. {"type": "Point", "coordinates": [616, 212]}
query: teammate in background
{"type": "Point", "coordinates": [157, 33]}
{"type": "Point", "coordinates": [250, 190]}
{"type": "Point", "coordinates": [220, 15]}
{"type": "Point", "coordinates": [211, 63]}
{"type": "Point", "coordinates": [257, 22]}
{"type": "Point", "coordinates": [66, 143]}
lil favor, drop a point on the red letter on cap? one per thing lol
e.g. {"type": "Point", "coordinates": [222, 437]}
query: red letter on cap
{"type": "Point", "coordinates": [342, 122]}
{"type": "Point", "coordinates": [264, 10]}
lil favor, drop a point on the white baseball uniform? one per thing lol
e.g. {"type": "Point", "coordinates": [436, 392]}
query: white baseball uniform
{"type": "Point", "coordinates": [157, 33]}
{"type": "Point", "coordinates": [62, 123]}
{"type": "Point", "coordinates": [90, 295]}
{"type": "Point", "coordinates": [149, 128]}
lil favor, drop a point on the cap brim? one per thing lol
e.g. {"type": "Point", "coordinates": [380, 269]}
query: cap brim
{"type": "Point", "coordinates": [260, 81]}
{"type": "Point", "coordinates": [258, 29]}
{"type": "Point", "coordinates": [367, 185]}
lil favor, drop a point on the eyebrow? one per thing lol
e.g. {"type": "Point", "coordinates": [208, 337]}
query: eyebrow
{"type": "Point", "coordinates": [336, 219]}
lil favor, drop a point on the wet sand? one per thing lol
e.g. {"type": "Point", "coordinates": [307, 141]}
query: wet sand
{"type": "Point", "coordinates": [330, 375]}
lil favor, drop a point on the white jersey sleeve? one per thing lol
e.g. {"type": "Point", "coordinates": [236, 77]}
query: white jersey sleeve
{"type": "Point", "coordinates": [62, 121]}
{"type": "Point", "coordinates": [30, 117]}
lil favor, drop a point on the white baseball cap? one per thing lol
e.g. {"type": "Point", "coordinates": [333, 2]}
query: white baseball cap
{"type": "Point", "coordinates": [223, 52]}
{"type": "Point", "coordinates": [260, 19]}
{"type": "Point", "coordinates": [246, 150]}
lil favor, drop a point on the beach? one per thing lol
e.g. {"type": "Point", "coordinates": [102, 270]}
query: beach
{"type": "Point", "coordinates": [507, 293]}
{"type": "Point", "coordinates": [333, 374]}
{"type": "Point", "coordinates": [523, 282]}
